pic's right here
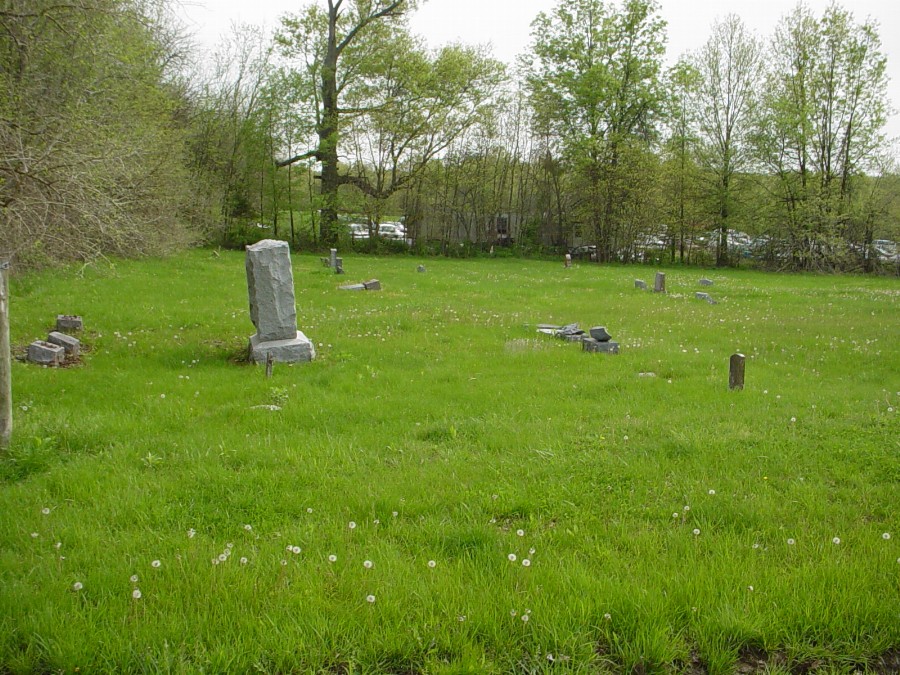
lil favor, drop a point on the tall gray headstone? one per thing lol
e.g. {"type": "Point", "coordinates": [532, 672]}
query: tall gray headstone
{"type": "Point", "coordinates": [659, 284]}
{"type": "Point", "coordinates": [270, 283]}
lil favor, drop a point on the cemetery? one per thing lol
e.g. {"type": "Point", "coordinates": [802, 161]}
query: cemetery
{"type": "Point", "coordinates": [434, 486]}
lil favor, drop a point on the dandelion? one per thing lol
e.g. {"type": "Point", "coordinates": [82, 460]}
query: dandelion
{"type": "Point", "coordinates": [162, 395]}
{"type": "Point", "coordinates": [750, 588]}
{"type": "Point", "coordinates": [248, 527]}
{"type": "Point", "coordinates": [676, 514]}
{"type": "Point", "coordinates": [461, 618]}
{"type": "Point", "coordinates": [836, 541]}
{"type": "Point", "coordinates": [367, 564]}
{"type": "Point", "coordinates": [524, 618]}
{"type": "Point", "coordinates": [531, 551]}
{"type": "Point", "coordinates": [45, 511]}
{"type": "Point", "coordinates": [352, 525]}
{"type": "Point", "coordinates": [156, 563]}
{"type": "Point", "coordinates": [793, 419]}
{"type": "Point", "coordinates": [57, 545]}
{"type": "Point", "coordinates": [512, 557]}
{"type": "Point", "coordinates": [34, 535]}
{"type": "Point", "coordinates": [370, 598]}
{"type": "Point", "coordinates": [136, 594]}
{"type": "Point", "coordinates": [295, 550]}
{"type": "Point", "coordinates": [284, 563]}
{"type": "Point", "coordinates": [309, 509]}
{"type": "Point", "coordinates": [243, 561]}
{"type": "Point", "coordinates": [712, 492]}
{"type": "Point", "coordinates": [686, 508]}
{"type": "Point", "coordinates": [215, 561]}
{"type": "Point", "coordinates": [432, 564]}
{"type": "Point", "coordinates": [222, 557]}
{"type": "Point", "coordinates": [607, 616]}
{"type": "Point", "coordinates": [289, 548]}
{"type": "Point", "coordinates": [886, 536]}
{"type": "Point", "coordinates": [332, 558]}
{"type": "Point", "coordinates": [376, 522]}
{"type": "Point", "coordinates": [394, 514]}
{"type": "Point", "coordinates": [521, 533]}
{"type": "Point", "coordinates": [77, 586]}
{"type": "Point", "coordinates": [624, 438]}
{"type": "Point", "coordinates": [513, 612]}
{"type": "Point", "coordinates": [791, 542]}
{"type": "Point", "coordinates": [134, 578]}
{"type": "Point", "coordinates": [229, 545]}
{"type": "Point", "coordinates": [755, 546]}
{"type": "Point", "coordinates": [526, 563]}
{"type": "Point", "coordinates": [191, 532]}
{"type": "Point", "coordinates": [696, 532]}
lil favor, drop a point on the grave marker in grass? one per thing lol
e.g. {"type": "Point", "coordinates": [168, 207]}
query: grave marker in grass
{"type": "Point", "coordinates": [5, 360]}
{"type": "Point", "coordinates": [736, 372]}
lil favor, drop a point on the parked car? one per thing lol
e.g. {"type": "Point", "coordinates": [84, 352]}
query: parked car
{"type": "Point", "coordinates": [587, 251]}
{"type": "Point", "coordinates": [392, 231]}
{"type": "Point", "coordinates": [359, 231]}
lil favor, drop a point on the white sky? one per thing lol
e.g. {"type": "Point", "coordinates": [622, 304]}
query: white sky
{"type": "Point", "coordinates": [505, 24]}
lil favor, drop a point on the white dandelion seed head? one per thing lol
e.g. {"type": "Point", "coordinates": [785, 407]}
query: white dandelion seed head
{"type": "Point", "coordinates": [755, 545]}
{"type": "Point", "coordinates": [521, 533]}
{"type": "Point", "coordinates": [696, 531]}
{"type": "Point", "coordinates": [45, 511]}
{"type": "Point", "coordinates": [191, 532]}
{"type": "Point", "coordinates": [370, 598]}
{"type": "Point", "coordinates": [284, 563]}
{"type": "Point", "coordinates": [750, 588]}
{"type": "Point", "coordinates": [367, 564]}
{"type": "Point", "coordinates": [607, 616]}
{"type": "Point", "coordinates": [461, 618]}
{"type": "Point", "coordinates": [77, 586]}
{"type": "Point", "coordinates": [248, 527]}
{"type": "Point", "coordinates": [229, 545]}
{"type": "Point", "coordinates": [676, 514]}
{"type": "Point", "coordinates": [332, 558]}
{"type": "Point", "coordinates": [712, 492]}
{"type": "Point", "coordinates": [57, 545]}
{"type": "Point", "coordinates": [432, 564]}
{"type": "Point", "coordinates": [687, 508]}
{"type": "Point", "coordinates": [791, 542]}
{"type": "Point", "coordinates": [351, 525]}
{"type": "Point", "coordinates": [512, 612]}
{"type": "Point", "coordinates": [886, 536]}
{"type": "Point", "coordinates": [836, 541]}
{"type": "Point", "coordinates": [376, 522]}
{"type": "Point", "coordinates": [309, 509]}
{"type": "Point", "coordinates": [34, 535]}
{"type": "Point", "coordinates": [289, 548]}
{"type": "Point", "coordinates": [222, 557]}
{"type": "Point", "coordinates": [134, 578]}
{"type": "Point", "coordinates": [524, 618]}
{"type": "Point", "coordinates": [793, 419]}
{"type": "Point", "coordinates": [295, 550]}
{"type": "Point", "coordinates": [136, 594]}
{"type": "Point", "coordinates": [395, 514]}
{"type": "Point", "coordinates": [243, 561]}
{"type": "Point", "coordinates": [526, 563]}
{"type": "Point", "coordinates": [531, 551]}
{"type": "Point", "coordinates": [215, 561]}
{"type": "Point", "coordinates": [512, 557]}
{"type": "Point", "coordinates": [156, 563]}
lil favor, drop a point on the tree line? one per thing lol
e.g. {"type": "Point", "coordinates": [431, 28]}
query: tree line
{"type": "Point", "coordinates": [118, 137]}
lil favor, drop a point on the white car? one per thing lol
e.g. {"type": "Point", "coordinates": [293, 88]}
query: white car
{"type": "Point", "coordinates": [392, 231]}
{"type": "Point", "coordinates": [359, 231]}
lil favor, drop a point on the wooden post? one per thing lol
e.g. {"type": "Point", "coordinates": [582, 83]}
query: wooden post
{"type": "Point", "coordinates": [736, 372]}
{"type": "Point", "coordinates": [270, 364]}
{"type": "Point", "coordinates": [5, 360]}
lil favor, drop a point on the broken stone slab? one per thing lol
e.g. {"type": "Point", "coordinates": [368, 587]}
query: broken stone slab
{"type": "Point", "coordinates": [548, 326]}
{"type": "Point", "coordinates": [299, 348]}
{"type": "Point", "coordinates": [640, 283]}
{"type": "Point", "coordinates": [573, 338]}
{"type": "Point", "coordinates": [71, 345]}
{"type": "Point", "coordinates": [46, 353]}
{"type": "Point", "coordinates": [659, 284]}
{"type": "Point", "coordinates": [599, 334]}
{"type": "Point", "coordinates": [706, 282]}
{"type": "Point", "coordinates": [270, 283]}
{"type": "Point", "coordinates": [420, 268]}
{"type": "Point", "coordinates": [647, 374]}
{"type": "Point", "coordinates": [273, 408]}
{"type": "Point", "coordinates": [372, 285]}
{"type": "Point", "coordinates": [705, 296]}
{"type": "Point", "coordinates": [68, 322]}
{"type": "Point", "coordinates": [569, 329]}
{"type": "Point", "coordinates": [589, 344]}
{"type": "Point", "coordinates": [353, 287]}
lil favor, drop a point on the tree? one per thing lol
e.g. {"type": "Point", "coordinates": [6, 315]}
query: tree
{"type": "Point", "coordinates": [593, 73]}
{"type": "Point", "coordinates": [730, 73]}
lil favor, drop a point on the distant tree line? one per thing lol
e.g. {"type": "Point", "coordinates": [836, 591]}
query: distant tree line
{"type": "Point", "coordinates": [118, 137]}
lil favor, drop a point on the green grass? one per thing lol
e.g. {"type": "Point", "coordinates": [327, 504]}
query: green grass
{"type": "Point", "coordinates": [441, 423]}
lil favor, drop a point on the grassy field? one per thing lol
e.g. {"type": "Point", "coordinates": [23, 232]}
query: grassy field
{"type": "Point", "coordinates": [443, 489]}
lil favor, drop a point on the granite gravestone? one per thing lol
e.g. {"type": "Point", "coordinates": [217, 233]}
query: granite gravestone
{"type": "Point", "coordinates": [270, 283]}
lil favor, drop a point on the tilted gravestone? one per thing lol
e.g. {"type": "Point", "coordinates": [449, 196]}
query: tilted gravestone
{"type": "Point", "coordinates": [270, 283]}
{"type": "Point", "coordinates": [640, 283]}
{"type": "Point", "coordinates": [70, 344]}
{"type": "Point", "coordinates": [659, 284]}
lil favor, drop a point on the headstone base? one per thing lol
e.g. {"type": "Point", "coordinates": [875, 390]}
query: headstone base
{"type": "Point", "coordinates": [589, 344]}
{"type": "Point", "coordinates": [46, 353]}
{"type": "Point", "coordinates": [283, 351]}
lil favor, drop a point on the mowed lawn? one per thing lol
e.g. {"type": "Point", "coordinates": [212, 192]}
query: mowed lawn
{"type": "Point", "coordinates": [445, 490]}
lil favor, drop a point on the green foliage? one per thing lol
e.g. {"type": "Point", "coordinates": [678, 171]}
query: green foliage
{"type": "Point", "coordinates": [438, 421]}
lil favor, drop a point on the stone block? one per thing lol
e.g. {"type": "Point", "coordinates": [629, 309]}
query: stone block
{"type": "Point", "coordinates": [599, 334]}
{"type": "Point", "coordinates": [353, 287]}
{"type": "Point", "coordinates": [68, 322]}
{"type": "Point", "coordinates": [589, 344]}
{"type": "Point", "coordinates": [298, 349]}
{"type": "Point", "coordinates": [270, 283]}
{"type": "Point", "coordinates": [640, 283]}
{"type": "Point", "coordinates": [46, 353]}
{"type": "Point", "coordinates": [705, 296]}
{"type": "Point", "coordinates": [420, 268]}
{"type": "Point", "coordinates": [372, 285]}
{"type": "Point", "coordinates": [706, 282]}
{"type": "Point", "coordinates": [70, 344]}
{"type": "Point", "coordinates": [338, 265]}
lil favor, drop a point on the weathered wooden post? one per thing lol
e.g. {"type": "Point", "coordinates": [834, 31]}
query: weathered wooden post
{"type": "Point", "coordinates": [736, 372]}
{"type": "Point", "coordinates": [5, 360]}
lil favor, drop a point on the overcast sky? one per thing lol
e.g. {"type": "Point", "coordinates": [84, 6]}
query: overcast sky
{"type": "Point", "coordinates": [505, 24]}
